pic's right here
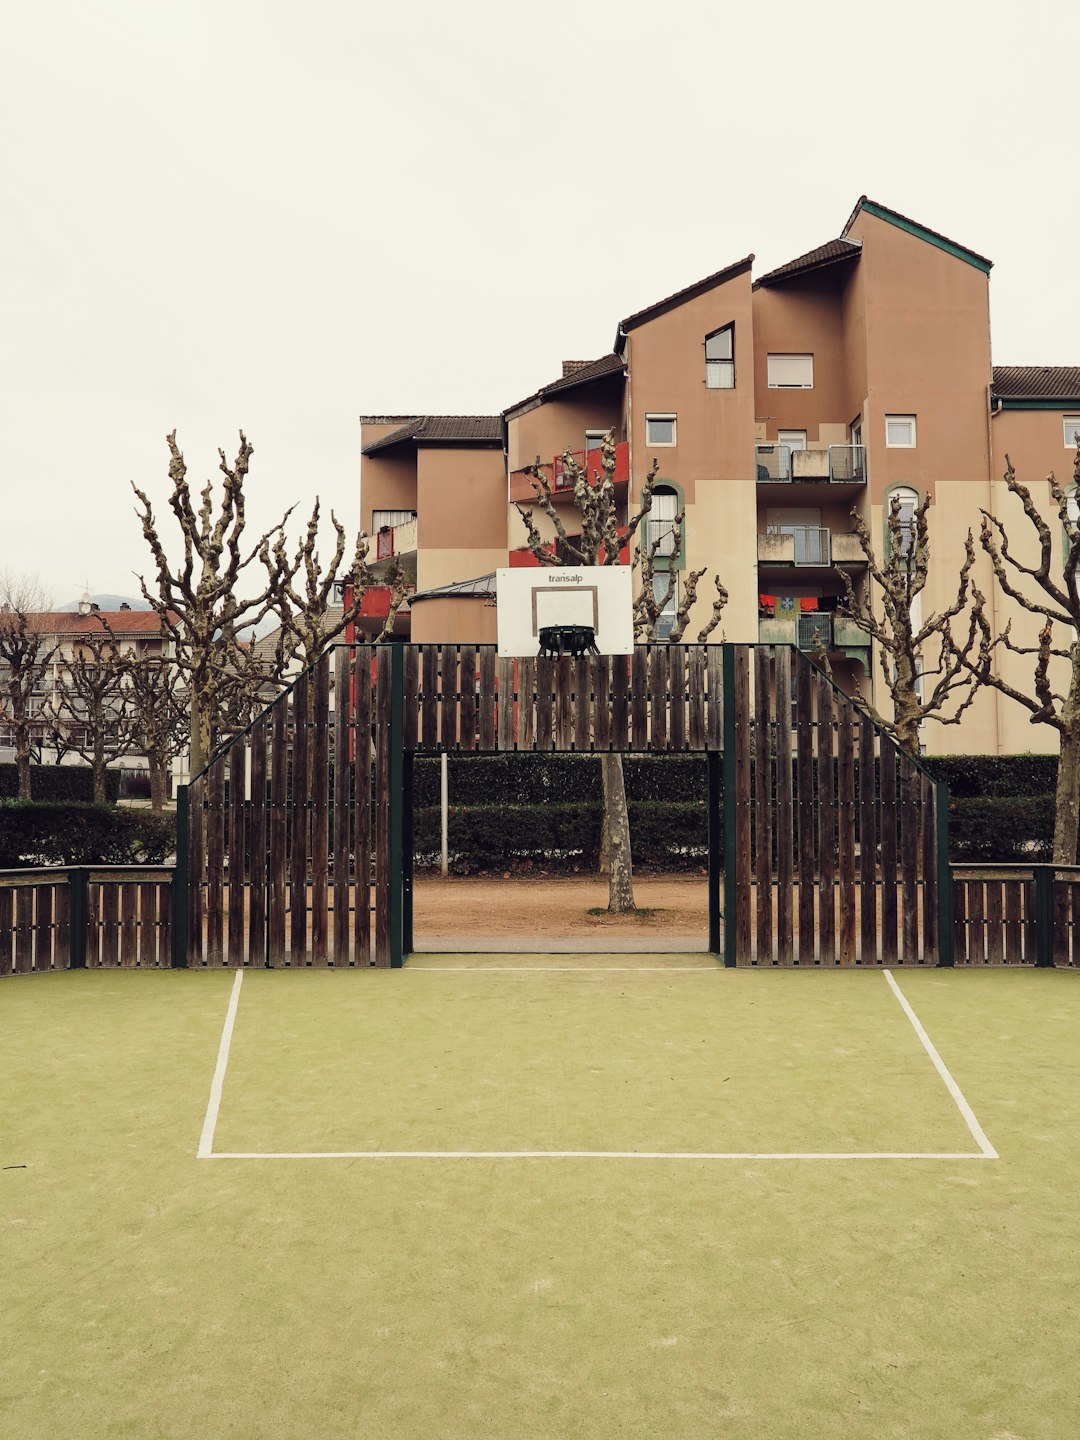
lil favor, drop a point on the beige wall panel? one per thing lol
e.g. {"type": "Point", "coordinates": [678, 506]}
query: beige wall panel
{"type": "Point", "coordinates": [721, 535]}
{"type": "Point", "coordinates": [387, 482]}
{"type": "Point", "coordinates": [461, 496]}
{"type": "Point", "coordinates": [448, 567]}
{"type": "Point", "coordinates": [449, 622]}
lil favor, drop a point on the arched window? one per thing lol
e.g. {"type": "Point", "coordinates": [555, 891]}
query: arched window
{"type": "Point", "coordinates": [669, 543]}
{"type": "Point", "coordinates": [909, 502]}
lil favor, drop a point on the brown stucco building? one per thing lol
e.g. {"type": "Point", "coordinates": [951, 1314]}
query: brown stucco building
{"type": "Point", "coordinates": [775, 406]}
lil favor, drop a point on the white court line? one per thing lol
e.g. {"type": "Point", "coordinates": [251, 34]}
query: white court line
{"type": "Point", "coordinates": [978, 1133]}
{"type": "Point", "coordinates": [597, 1155]}
{"type": "Point", "coordinates": [206, 1139]}
{"type": "Point", "coordinates": [569, 969]}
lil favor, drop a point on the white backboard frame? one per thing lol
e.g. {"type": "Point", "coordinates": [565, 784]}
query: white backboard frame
{"type": "Point", "coordinates": [528, 597]}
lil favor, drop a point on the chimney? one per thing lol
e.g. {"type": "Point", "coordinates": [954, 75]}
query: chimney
{"type": "Point", "coordinates": [571, 367]}
{"type": "Point", "coordinates": [124, 605]}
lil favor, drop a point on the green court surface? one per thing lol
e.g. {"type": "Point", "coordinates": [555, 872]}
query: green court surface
{"type": "Point", "coordinates": [544, 1198]}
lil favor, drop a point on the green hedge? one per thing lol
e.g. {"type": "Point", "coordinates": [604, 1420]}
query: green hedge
{"type": "Point", "coordinates": [58, 782]}
{"type": "Point", "coordinates": [985, 775]}
{"type": "Point", "coordinates": [561, 836]}
{"type": "Point", "coordinates": [76, 834]}
{"type": "Point", "coordinates": [1002, 828]}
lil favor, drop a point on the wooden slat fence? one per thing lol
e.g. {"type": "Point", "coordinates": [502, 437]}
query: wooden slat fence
{"type": "Point", "coordinates": [292, 828]}
{"type": "Point", "coordinates": [836, 833]}
{"type": "Point", "coordinates": [96, 916]}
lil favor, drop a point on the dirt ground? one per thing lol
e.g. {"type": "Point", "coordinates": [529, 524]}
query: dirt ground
{"type": "Point", "coordinates": [556, 908]}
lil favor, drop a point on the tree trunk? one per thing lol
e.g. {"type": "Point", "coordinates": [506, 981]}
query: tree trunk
{"type": "Point", "coordinates": [98, 765]}
{"type": "Point", "coordinates": [1067, 798]}
{"type": "Point", "coordinates": [200, 736]}
{"type": "Point", "coordinates": [22, 761]}
{"type": "Point", "coordinates": [159, 784]}
{"type": "Point", "coordinates": [621, 874]}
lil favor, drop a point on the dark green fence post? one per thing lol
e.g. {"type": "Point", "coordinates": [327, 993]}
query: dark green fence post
{"type": "Point", "coordinates": [1044, 914]}
{"type": "Point", "coordinates": [79, 908]}
{"type": "Point", "coordinates": [729, 803]}
{"type": "Point", "coordinates": [397, 802]}
{"type": "Point", "coordinates": [407, 857]}
{"type": "Point", "coordinates": [180, 883]}
{"type": "Point", "coordinates": [716, 849]}
{"type": "Point", "coordinates": [945, 937]}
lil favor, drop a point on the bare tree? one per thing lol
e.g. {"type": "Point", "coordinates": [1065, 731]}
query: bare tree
{"type": "Point", "coordinates": [211, 626]}
{"type": "Point", "coordinates": [159, 715]}
{"type": "Point", "coordinates": [26, 652]}
{"type": "Point", "coordinates": [199, 602]}
{"type": "Point", "coordinates": [90, 702]}
{"type": "Point", "coordinates": [904, 640]}
{"type": "Point", "coordinates": [600, 542]}
{"type": "Point", "coordinates": [1051, 592]}
{"type": "Point", "coordinates": [308, 622]}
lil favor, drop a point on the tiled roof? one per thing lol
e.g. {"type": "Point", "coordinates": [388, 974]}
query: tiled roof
{"type": "Point", "coordinates": [443, 430]}
{"type": "Point", "coordinates": [121, 622]}
{"type": "Point", "coordinates": [584, 373]}
{"type": "Point", "coordinates": [831, 253]}
{"type": "Point", "coordinates": [691, 292]}
{"type": "Point", "coordinates": [1037, 382]}
{"type": "Point", "coordinates": [874, 207]}
{"type": "Point", "coordinates": [482, 587]}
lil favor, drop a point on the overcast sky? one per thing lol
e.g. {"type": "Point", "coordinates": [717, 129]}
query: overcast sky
{"type": "Point", "coordinates": [280, 216]}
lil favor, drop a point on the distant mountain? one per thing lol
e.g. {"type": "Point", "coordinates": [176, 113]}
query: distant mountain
{"type": "Point", "coordinates": [109, 602]}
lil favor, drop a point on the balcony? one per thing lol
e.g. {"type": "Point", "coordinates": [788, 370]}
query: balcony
{"type": "Point", "coordinates": [841, 467]}
{"type": "Point", "coordinates": [558, 476]}
{"type": "Point", "coordinates": [812, 546]}
{"type": "Point", "coordinates": [394, 540]}
{"type": "Point", "coordinates": [838, 634]}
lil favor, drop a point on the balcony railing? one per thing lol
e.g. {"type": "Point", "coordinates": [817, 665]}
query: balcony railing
{"type": "Point", "coordinates": [395, 540]}
{"type": "Point", "coordinates": [836, 464]}
{"type": "Point", "coordinates": [559, 476]}
{"type": "Point", "coordinates": [837, 632]}
{"type": "Point", "coordinates": [797, 544]}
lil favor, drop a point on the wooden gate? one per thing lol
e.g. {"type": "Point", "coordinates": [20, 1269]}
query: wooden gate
{"type": "Point", "coordinates": [825, 841]}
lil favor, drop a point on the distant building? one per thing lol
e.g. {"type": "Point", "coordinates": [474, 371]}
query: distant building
{"type": "Point", "coordinates": [775, 405]}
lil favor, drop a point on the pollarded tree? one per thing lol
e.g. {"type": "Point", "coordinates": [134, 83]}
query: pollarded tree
{"type": "Point", "coordinates": [922, 685]}
{"type": "Point", "coordinates": [26, 653]}
{"type": "Point", "coordinates": [600, 542]}
{"type": "Point", "coordinates": [309, 623]}
{"type": "Point", "coordinates": [159, 713]}
{"type": "Point", "coordinates": [203, 612]}
{"type": "Point", "coordinates": [1050, 591]}
{"type": "Point", "coordinates": [90, 703]}
{"type": "Point", "coordinates": [199, 602]}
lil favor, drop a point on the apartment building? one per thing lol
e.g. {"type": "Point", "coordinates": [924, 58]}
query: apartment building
{"type": "Point", "coordinates": [132, 633]}
{"type": "Point", "coordinates": [775, 405]}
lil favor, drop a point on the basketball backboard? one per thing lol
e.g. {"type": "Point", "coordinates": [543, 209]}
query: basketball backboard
{"type": "Point", "coordinates": [529, 598]}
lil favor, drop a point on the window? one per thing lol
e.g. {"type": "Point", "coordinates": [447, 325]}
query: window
{"type": "Point", "coordinates": [1070, 426]}
{"type": "Point", "coordinates": [386, 519]}
{"type": "Point", "coordinates": [909, 503]}
{"type": "Point", "coordinates": [720, 359]}
{"type": "Point", "coordinates": [900, 432]}
{"type": "Point", "coordinates": [791, 372]}
{"type": "Point", "coordinates": [660, 429]}
{"type": "Point", "coordinates": [666, 590]}
{"type": "Point", "coordinates": [662, 533]}
{"type": "Point", "coordinates": [793, 439]}
{"type": "Point", "coordinates": [594, 439]}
